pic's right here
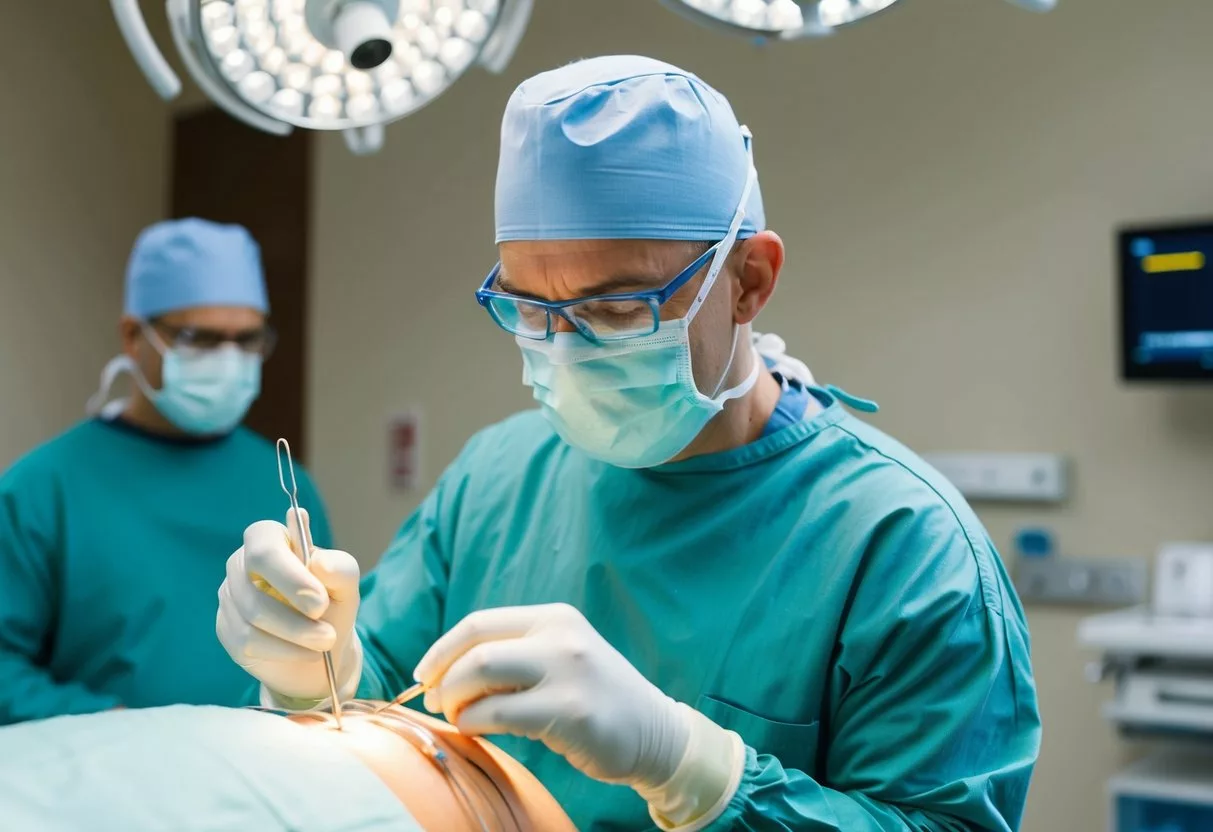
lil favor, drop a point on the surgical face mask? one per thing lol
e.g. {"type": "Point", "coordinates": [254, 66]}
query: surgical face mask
{"type": "Point", "coordinates": [633, 403]}
{"type": "Point", "coordinates": [202, 392]}
{"type": "Point", "coordinates": [208, 392]}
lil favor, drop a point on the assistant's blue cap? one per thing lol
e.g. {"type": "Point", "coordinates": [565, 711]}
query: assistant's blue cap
{"type": "Point", "coordinates": [621, 147]}
{"type": "Point", "coordinates": [182, 264]}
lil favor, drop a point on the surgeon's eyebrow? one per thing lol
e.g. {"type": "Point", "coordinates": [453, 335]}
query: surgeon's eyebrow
{"type": "Point", "coordinates": [611, 285]}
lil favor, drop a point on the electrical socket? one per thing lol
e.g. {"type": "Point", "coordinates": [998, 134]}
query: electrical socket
{"type": "Point", "coordinates": [1082, 581]}
{"type": "Point", "coordinates": [1039, 478]}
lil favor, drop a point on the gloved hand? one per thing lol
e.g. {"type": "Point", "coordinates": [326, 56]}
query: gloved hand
{"type": "Point", "coordinates": [276, 617]}
{"type": "Point", "coordinates": [544, 672]}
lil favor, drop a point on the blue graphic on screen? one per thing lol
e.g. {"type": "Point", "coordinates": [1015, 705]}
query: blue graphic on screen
{"type": "Point", "coordinates": [1142, 247]}
{"type": "Point", "coordinates": [1168, 297]}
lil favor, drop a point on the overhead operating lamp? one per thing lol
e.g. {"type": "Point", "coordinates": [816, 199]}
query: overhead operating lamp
{"type": "Point", "coordinates": [792, 19]}
{"type": "Point", "coordinates": [349, 65]}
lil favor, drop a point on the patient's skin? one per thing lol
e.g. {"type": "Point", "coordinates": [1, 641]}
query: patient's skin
{"type": "Point", "coordinates": [503, 794]}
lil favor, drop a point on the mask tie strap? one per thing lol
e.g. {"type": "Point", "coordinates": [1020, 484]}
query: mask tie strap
{"type": "Point", "coordinates": [117, 365]}
{"type": "Point", "coordinates": [746, 384]}
{"type": "Point", "coordinates": [726, 245]}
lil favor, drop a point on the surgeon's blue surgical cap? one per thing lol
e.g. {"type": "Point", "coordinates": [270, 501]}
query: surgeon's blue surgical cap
{"type": "Point", "coordinates": [183, 264]}
{"type": "Point", "coordinates": [621, 147]}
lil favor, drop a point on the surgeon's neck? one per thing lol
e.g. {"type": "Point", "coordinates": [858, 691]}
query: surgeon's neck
{"type": "Point", "coordinates": [742, 420]}
{"type": "Point", "coordinates": [141, 413]}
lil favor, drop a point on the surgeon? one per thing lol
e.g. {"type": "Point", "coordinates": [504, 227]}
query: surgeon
{"type": "Point", "coordinates": [111, 534]}
{"type": "Point", "coordinates": [692, 587]}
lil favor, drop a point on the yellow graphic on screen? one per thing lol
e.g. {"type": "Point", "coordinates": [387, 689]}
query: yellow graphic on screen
{"type": "Point", "coordinates": [1180, 261]}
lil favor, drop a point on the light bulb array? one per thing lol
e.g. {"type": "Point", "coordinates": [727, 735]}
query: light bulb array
{"type": "Point", "coordinates": [266, 53]}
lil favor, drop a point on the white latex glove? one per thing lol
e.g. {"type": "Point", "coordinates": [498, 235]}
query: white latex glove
{"type": "Point", "coordinates": [771, 347]}
{"type": "Point", "coordinates": [545, 673]}
{"type": "Point", "coordinates": [279, 638]}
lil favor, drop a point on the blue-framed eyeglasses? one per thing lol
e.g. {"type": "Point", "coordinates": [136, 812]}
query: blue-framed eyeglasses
{"type": "Point", "coordinates": [599, 318]}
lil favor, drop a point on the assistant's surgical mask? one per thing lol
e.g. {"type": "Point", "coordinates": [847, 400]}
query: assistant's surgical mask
{"type": "Point", "coordinates": [634, 403]}
{"type": "Point", "coordinates": [202, 392]}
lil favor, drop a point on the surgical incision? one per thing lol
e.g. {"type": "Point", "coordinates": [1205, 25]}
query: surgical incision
{"type": "Point", "coordinates": [448, 781]}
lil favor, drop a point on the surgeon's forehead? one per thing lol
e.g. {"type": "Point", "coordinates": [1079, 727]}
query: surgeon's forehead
{"type": "Point", "coordinates": [218, 318]}
{"type": "Point", "coordinates": [561, 269]}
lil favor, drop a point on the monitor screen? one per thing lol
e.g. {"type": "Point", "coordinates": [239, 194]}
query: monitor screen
{"type": "Point", "coordinates": [1166, 293]}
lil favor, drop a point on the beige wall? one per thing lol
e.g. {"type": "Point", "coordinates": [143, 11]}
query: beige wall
{"type": "Point", "coordinates": [83, 143]}
{"type": "Point", "coordinates": [947, 178]}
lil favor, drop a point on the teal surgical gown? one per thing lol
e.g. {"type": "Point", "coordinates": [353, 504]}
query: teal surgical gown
{"type": "Point", "coordinates": [821, 591]}
{"type": "Point", "coordinates": [112, 544]}
{"type": "Point", "coordinates": [187, 769]}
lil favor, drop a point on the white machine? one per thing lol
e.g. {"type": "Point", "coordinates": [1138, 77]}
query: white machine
{"type": "Point", "coordinates": [1161, 659]}
{"type": "Point", "coordinates": [1169, 792]}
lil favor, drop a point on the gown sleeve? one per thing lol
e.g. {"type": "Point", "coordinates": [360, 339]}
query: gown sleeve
{"type": "Point", "coordinates": [31, 535]}
{"type": "Point", "coordinates": [933, 723]}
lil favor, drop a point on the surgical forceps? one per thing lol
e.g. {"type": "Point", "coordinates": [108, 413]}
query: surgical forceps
{"type": "Point", "coordinates": [305, 544]}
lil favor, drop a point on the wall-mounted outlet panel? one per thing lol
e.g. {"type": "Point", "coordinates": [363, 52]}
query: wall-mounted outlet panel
{"type": "Point", "coordinates": [1082, 581]}
{"type": "Point", "coordinates": [1037, 478]}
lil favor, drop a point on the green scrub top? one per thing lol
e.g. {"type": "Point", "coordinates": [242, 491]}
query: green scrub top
{"type": "Point", "coordinates": [113, 543]}
{"type": "Point", "coordinates": [187, 769]}
{"type": "Point", "coordinates": [821, 591]}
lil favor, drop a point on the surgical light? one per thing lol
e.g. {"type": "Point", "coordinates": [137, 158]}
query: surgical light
{"type": "Point", "coordinates": [791, 19]}
{"type": "Point", "coordinates": [349, 65]}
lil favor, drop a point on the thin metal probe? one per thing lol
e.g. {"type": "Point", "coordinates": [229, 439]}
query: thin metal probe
{"type": "Point", "coordinates": [424, 739]}
{"type": "Point", "coordinates": [441, 760]}
{"type": "Point", "coordinates": [305, 544]}
{"type": "Point", "coordinates": [409, 694]}
{"type": "Point", "coordinates": [439, 757]}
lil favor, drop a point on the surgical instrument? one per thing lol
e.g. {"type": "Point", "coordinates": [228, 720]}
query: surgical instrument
{"type": "Point", "coordinates": [409, 694]}
{"type": "Point", "coordinates": [305, 546]}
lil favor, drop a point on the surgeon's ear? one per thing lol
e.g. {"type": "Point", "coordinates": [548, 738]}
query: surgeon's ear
{"type": "Point", "coordinates": [756, 264]}
{"type": "Point", "coordinates": [136, 345]}
{"type": "Point", "coordinates": [131, 334]}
